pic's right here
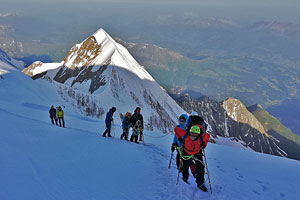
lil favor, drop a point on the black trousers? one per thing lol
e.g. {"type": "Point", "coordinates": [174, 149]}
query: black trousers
{"type": "Point", "coordinates": [125, 133]}
{"type": "Point", "coordinates": [61, 120]}
{"type": "Point", "coordinates": [199, 173]}
{"type": "Point", "coordinates": [53, 119]}
{"type": "Point", "coordinates": [107, 130]}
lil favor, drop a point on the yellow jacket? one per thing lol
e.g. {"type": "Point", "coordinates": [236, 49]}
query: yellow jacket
{"type": "Point", "coordinates": [59, 113]}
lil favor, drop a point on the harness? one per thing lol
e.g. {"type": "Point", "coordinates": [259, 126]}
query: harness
{"type": "Point", "coordinates": [179, 149]}
{"type": "Point", "coordinates": [138, 126]}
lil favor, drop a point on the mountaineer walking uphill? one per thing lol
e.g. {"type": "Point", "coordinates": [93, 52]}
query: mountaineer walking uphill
{"type": "Point", "coordinates": [60, 116]}
{"type": "Point", "coordinates": [53, 117]}
{"type": "Point", "coordinates": [137, 124]}
{"type": "Point", "coordinates": [126, 126]}
{"type": "Point", "coordinates": [108, 120]}
{"type": "Point", "coordinates": [194, 140]}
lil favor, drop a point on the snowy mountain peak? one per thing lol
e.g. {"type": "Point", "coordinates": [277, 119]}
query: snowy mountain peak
{"type": "Point", "coordinates": [99, 73]}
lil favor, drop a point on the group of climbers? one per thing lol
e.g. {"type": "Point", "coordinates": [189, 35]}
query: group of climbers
{"type": "Point", "coordinates": [57, 115]}
{"type": "Point", "coordinates": [190, 140]}
{"type": "Point", "coordinates": [134, 121]}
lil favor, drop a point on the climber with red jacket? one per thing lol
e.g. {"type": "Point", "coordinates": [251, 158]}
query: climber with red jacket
{"type": "Point", "coordinates": [180, 134]}
{"type": "Point", "coordinates": [193, 141]}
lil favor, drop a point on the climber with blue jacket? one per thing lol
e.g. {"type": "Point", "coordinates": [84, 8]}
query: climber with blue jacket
{"type": "Point", "coordinates": [108, 120]}
{"type": "Point", "coordinates": [176, 143]}
{"type": "Point", "coordinates": [125, 126]}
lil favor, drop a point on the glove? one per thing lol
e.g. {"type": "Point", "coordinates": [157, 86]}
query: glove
{"type": "Point", "coordinates": [180, 140]}
{"type": "Point", "coordinates": [173, 147]}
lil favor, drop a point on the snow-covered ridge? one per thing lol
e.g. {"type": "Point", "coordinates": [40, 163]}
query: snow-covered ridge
{"type": "Point", "coordinates": [102, 71]}
{"type": "Point", "coordinates": [8, 64]}
{"type": "Point", "coordinates": [40, 67]}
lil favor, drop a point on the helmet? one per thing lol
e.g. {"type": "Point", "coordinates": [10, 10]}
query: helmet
{"type": "Point", "coordinates": [195, 129]}
{"type": "Point", "coordinates": [182, 118]}
{"type": "Point", "coordinates": [137, 108]}
{"type": "Point", "coordinates": [194, 113]}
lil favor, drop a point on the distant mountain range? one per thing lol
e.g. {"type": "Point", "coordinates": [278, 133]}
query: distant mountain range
{"type": "Point", "coordinates": [289, 141]}
{"type": "Point", "coordinates": [7, 43]}
{"type": "Point", "coordinates": [244, 78]}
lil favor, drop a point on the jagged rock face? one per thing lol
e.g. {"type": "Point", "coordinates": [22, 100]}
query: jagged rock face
{"type": "Point", "coordinates": [29, 70]}
{"type": "Point", "coordinates": [83, 55]}
{"type": "Point", "coordinates": [222, 125]}
{"type": "Point", "coordinates": [238, 112]}
{"type": "Point", "coordinates": [83, 74]}
{"type": "Point", "coordinates": [100, 73]}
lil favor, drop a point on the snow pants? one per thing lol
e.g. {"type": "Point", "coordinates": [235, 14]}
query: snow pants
{"type": "Point", "coordinates": [53, 119]}
{"type": "Point", "coordinates": [125, 133]}
{"type": "Point", "coordinates": [199, 173]}
{"type": "Point", "coordinates": [192, 166]}
{"type": "Point", "coordinates": [134, 136]}
{"type": "Point", "coordinates": [61, 120]}
{"type": "Point", "coordinates": [108, 128]}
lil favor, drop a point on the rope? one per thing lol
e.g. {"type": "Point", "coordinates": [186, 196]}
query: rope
{"type": "Point", "coordinates": [157, 136]}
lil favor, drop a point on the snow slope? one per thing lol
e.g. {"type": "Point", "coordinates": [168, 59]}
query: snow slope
{"type": "Point", "coordinates": [8, 64]}
{"type": "Point", "coordinates": [41, 161]}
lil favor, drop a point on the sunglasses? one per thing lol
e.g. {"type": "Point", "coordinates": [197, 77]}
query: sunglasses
{"type": "Point", "coordinates": [182, 120]}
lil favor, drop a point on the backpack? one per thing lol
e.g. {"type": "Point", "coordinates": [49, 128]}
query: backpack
{"type": "Point", "coordinates": [195, 120]}
{"type": "Point", "coordinates": [121, 116]}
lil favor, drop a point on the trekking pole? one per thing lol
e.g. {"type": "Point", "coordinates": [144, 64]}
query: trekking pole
{"type": "Point", "coordinates": [143, 138]}
{"type": "Point", "coordinates": [178, 176]}
{"type": "Point", "coordinates": [171, 160]}
{"type": "Point", "coordinates": [207, 171]}
{"type": "Point", "coordinates": [113, 129]}
{"type": "Point", "coordinates": [179, 168]}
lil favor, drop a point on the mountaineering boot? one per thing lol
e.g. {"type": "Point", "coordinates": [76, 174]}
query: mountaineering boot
{"type": "Point", "coordinates": [185, 180]}
{"type": "Point", "coordinates": [109, 135]}
{"type": "Point", "coordinates": [136, 140]}
{"type": "Point", "coordinates": [202, 187]}
{"type": "Point", "coordinates": [104, 134]}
